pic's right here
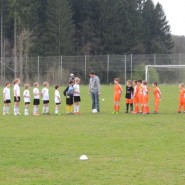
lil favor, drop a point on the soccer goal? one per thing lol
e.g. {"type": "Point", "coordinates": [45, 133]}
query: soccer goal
{"type": "Point", "coordinates": [166, 73]}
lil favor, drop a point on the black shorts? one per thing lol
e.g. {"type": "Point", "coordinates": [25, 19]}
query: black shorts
{"type": "Point", "coordinates": [69, 100]}
{"type": "Point", "coordinates": [18, 99]}
{"type": "Point", "coordinates": [77, 99]}
{"type": "Point", "coordinates": [57, 103]}
{"type": "Point", "coordinates": [7, 101]}
{"type": "Point", "coordinates": [26, 103]}
{"type": "Point", "coordinates": [45, 102]}
{"type": "Point", "coordinates": [36, 102]}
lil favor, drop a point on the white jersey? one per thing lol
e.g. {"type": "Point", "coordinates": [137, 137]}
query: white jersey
{"type": "Point", "coordinates": [16, 90]}
{"type": "Point", "coordinates": [57, 96]}
{"type": "Point", "coordinates": [45, 94]}
{"type": "Point", "coordinates": [36, 93]}
{"type": "Point", "coordinates": [6, 92]}
{"type": "Point", "coordinates": [26, 95]}
{"type": "Point", "coordinates": [76, 90]}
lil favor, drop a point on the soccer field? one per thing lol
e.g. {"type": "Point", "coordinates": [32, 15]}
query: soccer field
{"type": "Point", "coordinates": [123, 149]}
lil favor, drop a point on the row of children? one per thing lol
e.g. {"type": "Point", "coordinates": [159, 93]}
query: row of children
{"type": "Point", "coordinates": [136, 97]}
{"type": "Point", "coordinates": [72, 93]}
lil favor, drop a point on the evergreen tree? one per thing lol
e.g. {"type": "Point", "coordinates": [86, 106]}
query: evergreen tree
{"type": "Point", "coordinates": [157, 36]}
{"type": "Point", "coordinates": [163, 32]}
{"type": "Point", "coordinates": [66, 27]}
{"type": "Point", "coordinates": [53, 28]}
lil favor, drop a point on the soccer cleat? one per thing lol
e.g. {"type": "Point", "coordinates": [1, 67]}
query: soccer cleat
{"type": "Point", "coordinates": [35, 114]}
{"type": "Point", "coordinates": [58, 114]}
{"type": "Point", "coordinates": [134, 112]}
{"type": "Point", "coordinates": [77, 113]}
{"type": "Point", "coordinates": [126, 111]}
{"type": "Point", "coordinates": [19, 114]}
{"type": "Point", "coordinates": [179, 112]}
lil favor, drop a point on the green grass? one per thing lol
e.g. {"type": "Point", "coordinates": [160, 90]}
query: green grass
{"type": "Point", "coordinates": [123, 149]}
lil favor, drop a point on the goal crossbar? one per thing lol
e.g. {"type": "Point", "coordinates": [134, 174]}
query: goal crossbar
{"type": "Point", "coordinates": [161, 66]}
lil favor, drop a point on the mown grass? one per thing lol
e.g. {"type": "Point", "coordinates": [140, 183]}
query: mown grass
{"type": "Point", "coordinates": [123, 149]}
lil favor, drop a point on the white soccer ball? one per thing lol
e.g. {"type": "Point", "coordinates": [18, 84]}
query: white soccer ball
{"type": "Point", "coordinates": [94, 111]}
{"type": "Point", "coordinates": [103, 99]}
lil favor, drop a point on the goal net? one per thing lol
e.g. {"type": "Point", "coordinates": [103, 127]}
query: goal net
{"type": "Point", "coordinates": [165, 73]}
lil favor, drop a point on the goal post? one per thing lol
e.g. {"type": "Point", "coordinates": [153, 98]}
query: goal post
{"type": "Point", "coordinates": [160, 66]}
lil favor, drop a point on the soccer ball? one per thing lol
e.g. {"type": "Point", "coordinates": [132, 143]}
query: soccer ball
{"type": "Point", "coordinates": [94, 111]}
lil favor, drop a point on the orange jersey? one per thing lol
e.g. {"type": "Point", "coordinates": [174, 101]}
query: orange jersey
{"type": "Point", "coordinates": [117, 90]}
{"type": "Point", "coordinates": [145, 93]}
{"type": "Point", "coordinates": [140, 90]}
{"type": "Point", "coordinates": [136, 91]}
{"type": "Point", "coordinates": [157, 93]}
{"type": "Point", "coordinates": [136, 94]}
{"type": "Point", "coordinates": [182, 95]}
{"type": "Point", "coordinates": [140, 94]}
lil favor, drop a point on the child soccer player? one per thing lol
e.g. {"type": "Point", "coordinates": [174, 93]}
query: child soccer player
{"type": "Point", "coordinates": [16, 90]}
{"type": "Point", "coordinates": [57, 100]}
{"type": "Point", "coordinates": [76, 95]}
{"type": "Point", "coordinates": [26, 95]}
{"type": "Point", "coordinates": [69, 97]}
{"type": "Point", "coordinates": [136, 97]}
{"type": "Point", "coordinates": [157, 97]}
{"type": "Point", "coordinates": [140, 96]}
{"type": "Point", "coordinates": [129, 96]}
{"type": "Point", "coordinates": [117, 95]}
{"type": "Point", "coordinates": [145, 98]}
{"type": "Point", "coordinates": [6, 96]}
{"type": "Point", "coordinates": [36, 100]}
{"type": "Point", "coordinates": [45, 98]}
{"type": "Point", "coordinates": [181, 97]}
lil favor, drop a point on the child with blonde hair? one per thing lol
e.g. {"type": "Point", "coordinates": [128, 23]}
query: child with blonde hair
{"type": "Point", "coordinates": [26, 95]}
{"type": "Point", "coordinates": [17, 99]}
{"type": "Point", "coordinates": [57, 100]}
{"type": "Point", "coordinates": [117, 95]}
{"type": "Point", "coordinates": [145, 99]}
{"type": "Point", "coordinates": [157, 97]}
{"type": "Point", "coordinates": [6, 97]}
{"type": "Point", "coordinates": [36, 100]}
{"type": "Point", "coordinates": [135, 97]}
{"type": "Point", "coordinates": [45, 98]}
{"type": "Point", "coordinates": [76, 95]}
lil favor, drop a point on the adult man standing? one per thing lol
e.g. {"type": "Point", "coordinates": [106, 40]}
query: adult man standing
{"type": "Point", "coordinates": [94, 90]}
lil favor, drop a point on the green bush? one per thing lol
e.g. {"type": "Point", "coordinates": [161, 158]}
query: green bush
{"type": "Point", "coordinates": [139, 73]}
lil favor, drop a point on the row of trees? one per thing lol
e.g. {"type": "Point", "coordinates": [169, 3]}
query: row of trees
{"type": "Point", "coordinates": [74, 27]}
